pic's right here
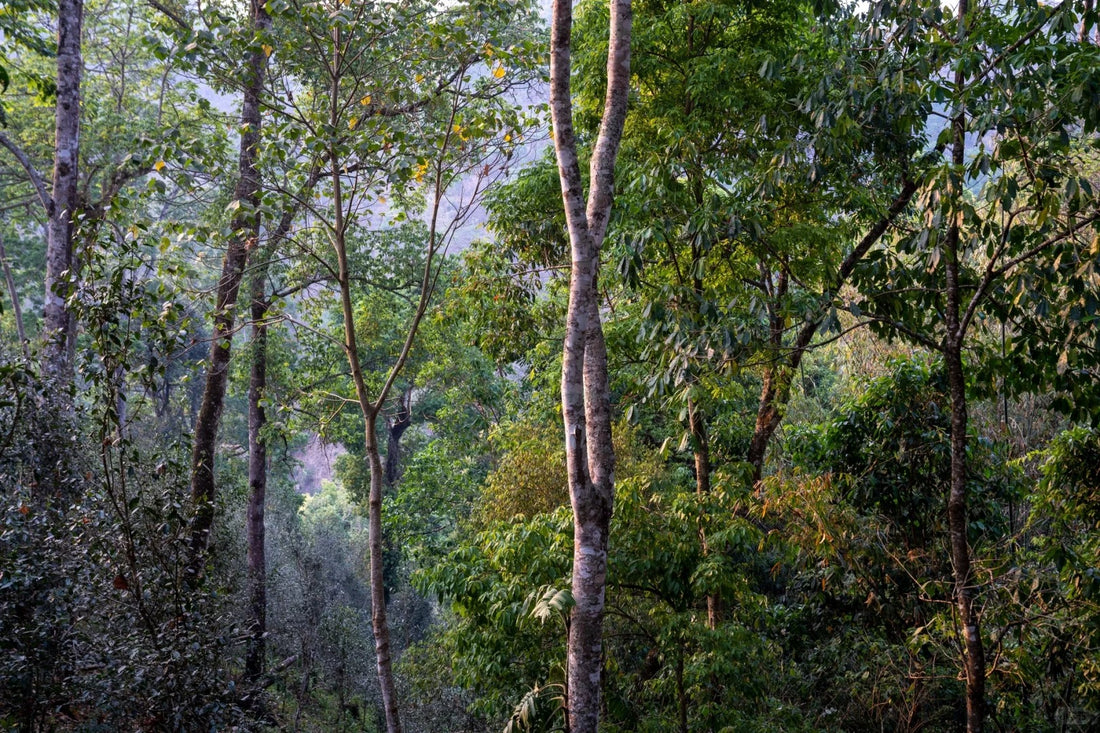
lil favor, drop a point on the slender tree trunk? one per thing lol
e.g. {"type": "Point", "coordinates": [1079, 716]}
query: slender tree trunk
{"type": "Point", "coordinates": [773, 396]}
{"type": "Point", "coordinates": [965, 584]}
{"type": "Point", "coordinates": [586, 403]}
{"type": "Point", "coordinates": [257, 478]}
{"type": "Point", "coordinates": [58, 325]}
{"type": "Point", "coordinates": [697, 423]}
{"type": "Point", "coordinates": [775, 391]}
{"type": "Point", "coordinates": [681, 694]}
{"type": "Point", "coordinates": [379, 623]}
{"type": "Point", "coordinates": [778, 375]}
{"type": "Point", "coordinates": [246, 227]}
{"type": "Point", "coordinates": [17, 309]}
{"type": "Point", "coordinates": [965, 588]}
{"type": "Point", "coordinates": [370, 410]}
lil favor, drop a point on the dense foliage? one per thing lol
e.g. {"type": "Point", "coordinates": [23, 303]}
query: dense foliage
{"type": "Point", "coordinates": [849, 287]}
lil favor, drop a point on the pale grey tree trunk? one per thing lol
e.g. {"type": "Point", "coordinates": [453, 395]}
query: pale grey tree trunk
{"type": "Point", "coordinates": [58, 325]}
{"type": "Point", "coordinates": [586, 404]}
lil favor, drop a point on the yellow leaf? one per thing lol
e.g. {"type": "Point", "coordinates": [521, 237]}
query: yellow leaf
{"type": "Point", "coordinates": [365, 100]}
{"type": "Point", "coordinates": [507, 138]}
{"type": "Point", "coordinates": [419, 78]}
{"type": "Point", "coordinates": [158, 166]}
{"type": "Point", "coordinates": [267, 50]}
{"type": "Point", "coordinates": [499, 72]}
{"type": "Point", "coordinates": [352, 123]}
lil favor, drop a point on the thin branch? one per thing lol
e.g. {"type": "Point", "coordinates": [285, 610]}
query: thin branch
{"type": "Point", "coordinates": [37, 180]}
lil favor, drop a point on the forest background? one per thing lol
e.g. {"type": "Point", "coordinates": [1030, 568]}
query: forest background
{"type": "Point", "coordinates": [842, 466]}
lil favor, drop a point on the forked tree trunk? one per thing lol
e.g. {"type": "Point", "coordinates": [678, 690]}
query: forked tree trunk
{"type": "Point", "coordinates": [370, 409]}
{"type": "Point", "coordinates": [257, 478]}
{"type": "Point", "coordinates": [57, 320]}
{"type": "Point", "coordinates": [586, 403]}
{"type": "Point", "coordinates": [246, 228]}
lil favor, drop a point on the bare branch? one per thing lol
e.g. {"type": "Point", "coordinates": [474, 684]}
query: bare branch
{"type": "Point", "coordinates": [37, 180]}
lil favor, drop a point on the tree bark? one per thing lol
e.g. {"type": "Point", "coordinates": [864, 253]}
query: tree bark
{"type": "Point", "coordinates": [246, 227]}
{"type": "Point", "coordinates": [396, 428]}
{"type": "Point", "coordinates": [379, 623]}
{"type": "Point", "coordinates": [965, 586]}
{"type": "Point", "coordinates": [370, 410]}
{"type": "Point", "coordinates": [697, 424]}
{"type": "Point", "coordinates": [57, 320]}
{"type": "Point", "coordinates": [586, 402]}
{"type": "Point", "coordinates": [257, 478]}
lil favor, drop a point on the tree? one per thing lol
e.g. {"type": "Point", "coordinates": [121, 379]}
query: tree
{"type": "Point", "coordinates": [61, 203]}
{"type": "Point", "coordinates": [60, 265]}
{"type": "Point", "coordinates": [399, 109]}
{"type": "Point", "coordinates": [990, 210]}
{"type": "Point", "coordinates": [242, 239]}
{"type": "Point", "coordinates": [586, 400]}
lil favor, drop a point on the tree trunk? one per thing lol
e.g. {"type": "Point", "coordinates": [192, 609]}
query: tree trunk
{"type": "Point", "coordinates": [257, 478]}
{"type": "Point", "coordinates": [379, 624]}
{"type": "Point", "coordinates": [586, 403]}
{"type": "Point", "coordinates": [370, 410]}
{"type": "Point", "coordinates": [965, 587]}
{"type": "Point", "coordinates": [778, 375]}
{"type": "Point", "coordinates": [246, 227]}
{"type": "Point", "coordinates": [58, 325]}
{"type": "Point", "coordinates": [396, 428]}
{"type": "Point", "coordinates": [697, 423]}
{"type": "Point", "coordinates": [776, 390]}
{"type": "Point", "coordinates": [774, 394]}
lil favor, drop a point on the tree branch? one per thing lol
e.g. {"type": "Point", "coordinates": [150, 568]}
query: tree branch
{"type": "Point", "coordinates": [37, 180]}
